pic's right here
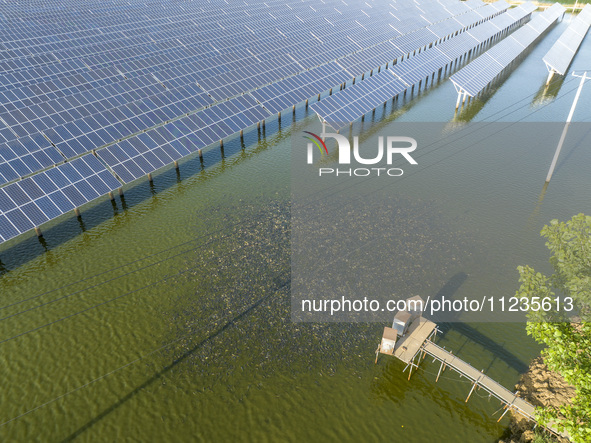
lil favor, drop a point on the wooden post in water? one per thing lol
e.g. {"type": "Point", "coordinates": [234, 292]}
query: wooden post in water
{"type": "Point", "coordinates": [77, 212]}
{"type": "Point", "coordinates": [472, 390]}
{"type": "Point", "coordinates": [506, 408]}
{"type": "Point", "coordinates": [38, 231]}
{"type": "Point", "coordinates": [441, 369]}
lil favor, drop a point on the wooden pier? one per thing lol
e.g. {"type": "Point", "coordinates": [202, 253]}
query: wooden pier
{"type": "Point", "coordinates": [417, 343]}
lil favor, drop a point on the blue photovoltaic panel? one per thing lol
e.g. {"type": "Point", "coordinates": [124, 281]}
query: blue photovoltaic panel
{"type": "Point", "coordinates": [486, 29]}
{"type": "Point", "coordinates": [138, 156]}
{"type": "Point", "coordinates": [561, 54]}
{"type": "Point", "coordinates": [29, 203]}
{"type": "Point", "coordinates": [500, 5]}
{"type": "Point", "coordinates": [355, 101]}
{"type": "Point", "coordinates": [77, 77]}
{"type": "Point", "coordinates": [524, 8]}
{"type": "Point", "coordinates": [470, 17]}
{"type": "Point", "coordinates": [23, 157]}
{"type": "Point", "coordinates": [114, 123]}
{"type": "Point", "coordinates": [286, 93]}
{"type": "Point", "coordinates": [410, 42]}
{"type": "Point", "coordinates": [368, 59]}
{"type": "Point", "coordinates": [236, 82]}
{"type": "Point", "coordinates": [475, 76]}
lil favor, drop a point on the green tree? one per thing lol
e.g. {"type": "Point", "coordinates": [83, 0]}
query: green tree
{"type": "Point", "coordinates": [568, 339]}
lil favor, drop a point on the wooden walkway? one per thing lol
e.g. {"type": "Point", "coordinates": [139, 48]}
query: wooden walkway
{"type": "Point", "coordinates": [410, 344]}
{"type": "Point", "coordinates": [479, 379]}
{"type": "Point", "coordinates": [417, 343]}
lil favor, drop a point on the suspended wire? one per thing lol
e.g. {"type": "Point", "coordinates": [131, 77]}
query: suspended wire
{"type": "Point", "coordinates": [150, 353]}
{"type": "Point", "coordinates": [235, 224]}
{"type": "Point", "coordinates": [149, 285]}
{"type": "Point", "coordinates": [321, 197]}
{"type": "Point", "coordinates": [229, 323]}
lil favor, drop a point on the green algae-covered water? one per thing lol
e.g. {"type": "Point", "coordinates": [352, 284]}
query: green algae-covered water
{"type": "Point", "coordinates": [165, 315]}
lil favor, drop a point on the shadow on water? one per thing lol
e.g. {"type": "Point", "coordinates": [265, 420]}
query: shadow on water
{"type": "Point", "coordinates": [393, 387]}
{"type": "Point", "coordinates": [472, 334]}
{"type": "Point", "coordinates": [27, 247]}
{"type": "Point", "coordinates": [158, 375]}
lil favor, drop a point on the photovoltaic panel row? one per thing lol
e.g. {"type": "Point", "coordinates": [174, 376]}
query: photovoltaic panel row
{"type": "Point", "coordinates": [472, 16]}
{"type": "Point", "coordinates": [85, 121]}
{"type": "Point", "coordinates": [111, 124]}
{"type": "Point", "coordinates": [29, 203]}
{"type": "Point", "coordinates": [351, 103]}
{"type": "Point", "coordinates": [415, 40]}
{"type": "Point", "coordinates": [80, 67]}
{"type": "Point", "coordinates": [419, 67]}
{"type": "Point", "coordinates": [55, 62]}
{"type": "Point", "coordinates": [371, 58]}
{"type": "Point", "coordinates": [286, 93]}
{"type": "Point", "coordinates": [516, 13]}
{"type": "Point", "coordinates": [60, 69]}
{"type": "Point", "coordinates": [486, 29]}
{"type": "Point", "coordinates": [500, 5]}
{"type": "Point", "coordinates": [368, 59]}
{"type": "Point", "coordinates": [23, 157]}
{"type": "Point", "coordinates": [561, 54]}
{"type": "Point", "coordinates": [147, 152]}
{"type": "Point", "coordinates": [185, 48]}
{"type": "Point", "coordinates": [475, 76]}
{"type": "Point", "coordinates": [459, 45]}
{"type": "Point", "coordinates": [236, 82]}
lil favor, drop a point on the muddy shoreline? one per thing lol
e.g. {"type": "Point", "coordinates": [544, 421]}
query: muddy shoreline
{"type": "Point", "coordinates": [541, 387]}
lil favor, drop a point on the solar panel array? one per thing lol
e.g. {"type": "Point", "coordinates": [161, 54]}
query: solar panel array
{"type": "Point", "coordinates": [135, 157]}
{"type": "Point", "coordinates": [355, 101]}
{"type": "Point", "coordinates": [478, 74]}
{"type": "Point", "coordinates": [35, 200]}
{"type": "Point", "coordinates": [561, 54]}
{"type": "Point", "coordinates": [104, 92]}
{"type": "Point", "coordinates": [371, 58]}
